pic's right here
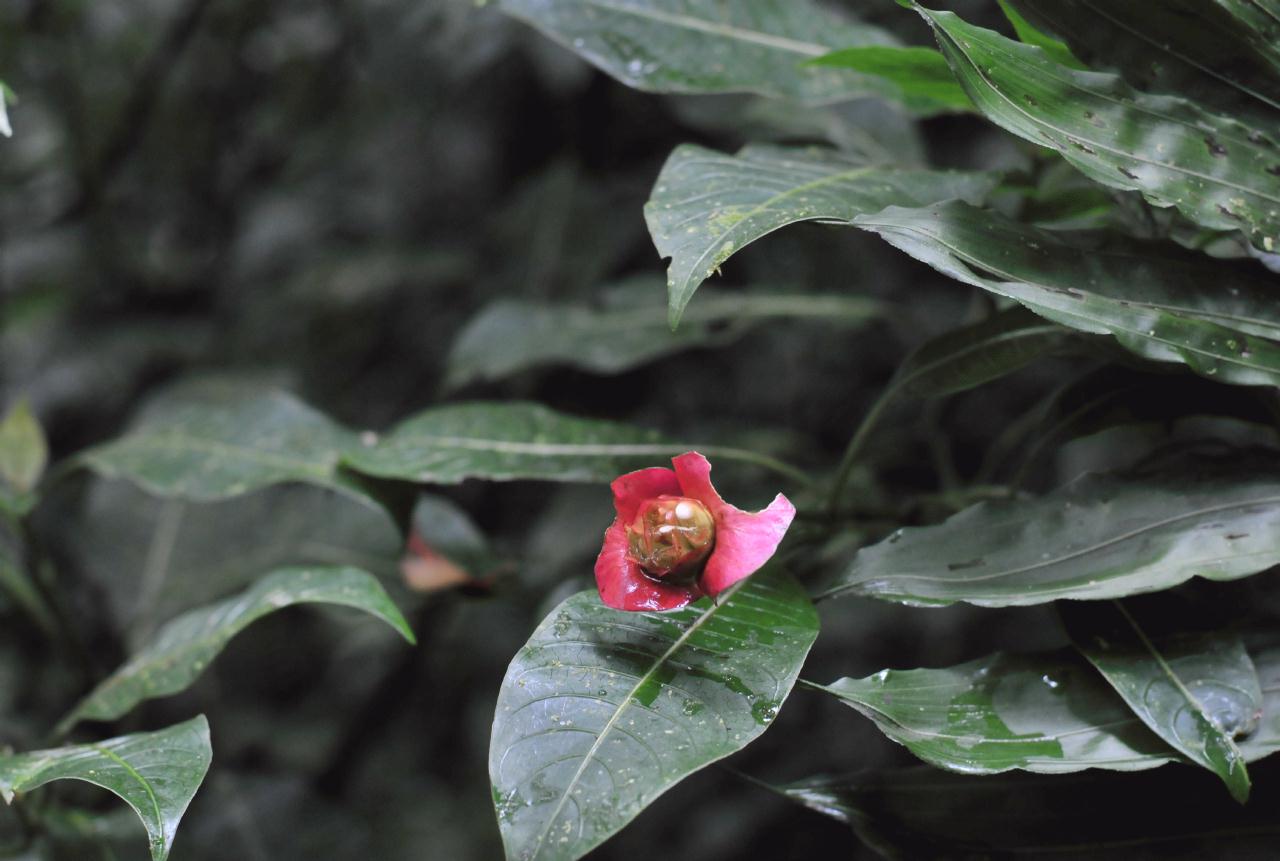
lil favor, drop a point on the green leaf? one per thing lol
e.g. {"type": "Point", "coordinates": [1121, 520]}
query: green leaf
{"type": "Point", "coordinates": [6, 95]}
{"type": "Point", "coordinates": [629, 330]}
{"type": "Point", "coordinates": [211, 440]}
{"type": "Point", "coordinates": [1216, 171]}
{"type": "Point", "coordinates": [155, 773]}
{"type": "Point", "coordinates": [921, 75]}
{"type": "Point", "coordinates": [704, 46]}
{"type": "Point", "coordinates": [512, 441]}
{"type": "Point", "coordinates": [15, 580]}
{"type": "Point", "coordinates": [1149, 295]}
{"type": "Point", "coordinates": [603, 710]}
{"type": "Point", "coordinates": [1029, 35]}
{"type": "Point", "coordinates": [1197, 693]}
{"type": "Point", "coordinates": [1194, 48]}
{"type": "Point", "coordinates": [706, 205]}
{"type": "Point", "coordinates": [23, 456]}
{"type": "Point", "coordinates": [186, 646]}
{"type": "Point", "coordinates": [970, 356]}
{"type": "Point", "coordinates": [1047, 713]}
{"type": "Point", "coordinates": [1101, 536]}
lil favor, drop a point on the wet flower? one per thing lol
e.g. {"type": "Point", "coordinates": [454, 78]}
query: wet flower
{"type": "Point", "coordinates": [674, 539]}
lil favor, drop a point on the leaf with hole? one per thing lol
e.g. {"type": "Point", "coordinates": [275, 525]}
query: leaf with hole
{"type": "Point", "coordinates": [184, 647]}
{"type": "Point", "coordinates": [155, 773]}
{"type": "Point", "coordinates": [604, 710]}
{"type": "Point", "coordinates": [706, 206]}
{"type": "Point", "coordinates": [1217, 171]}
{"type": "Point", "coordinates": [1149, 295]}
{"type": "Point", "coordinates": [1101, 536]}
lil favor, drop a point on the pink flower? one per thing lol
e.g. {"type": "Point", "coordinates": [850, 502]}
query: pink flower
{"type": "Point", "coordinates": [675, 540]}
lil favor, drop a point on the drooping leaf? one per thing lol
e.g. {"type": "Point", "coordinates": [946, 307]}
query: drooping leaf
{"type": "Point", "coordinates": [1215, 170]}
{"type": "Point", "coordinates": [706, 205]}
{"type": "Point", "coordinates": [921, 812]}
{"type": "Point", "coordinates": [921, 75]}
{"type": "Point", "coordinates": [211, 440]}
{"type": "Point", "coordinates": [186, 646]}
{"type": "Point", "coordinates": [1193, 48]}
{"type": "Point", "coordinates": [1047, 712]}
{"type": "Point", "coordinates": [603, 710]}
{"type": "Point", "coordinates": [513, 440]}
{"type": "Point", "coordinates": [23, 456]}
{"type": "Point", "coordinates": [1149, 295]}
{"type": "Point", "coordinates": [155, 773]}
{"type": "Point", "coordinates": [1101, 536]}
{"type": "Point", "coordinates": [629, 330]}
{"type": "Point", "coordinates": [969, 356]}
{"type": "Point", "coordinates": [153, 558]}
{"type": "Point", "coordinates": [702, 46]}
{"type": "Point", "coordinates": [1197, 693]}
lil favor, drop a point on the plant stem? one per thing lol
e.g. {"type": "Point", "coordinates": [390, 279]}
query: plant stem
{"type": "Point", "coordinates": [860, 436]}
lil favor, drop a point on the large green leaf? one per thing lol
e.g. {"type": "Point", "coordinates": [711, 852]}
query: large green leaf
{"type": "Point", "coordinates": [186, 646]}
{"type": "Point", "coordinates": [1215, 170]}
{"type": "Point", "coordinates": [626, 331]}
{"type": "Point", "coordinates": [155, 773]}
{"type": "Point", "coordinates": [1193, 48]}
{"type": "Point", "coordinates": [923, 78]}
{"type": "Point", "coordinates": [921, 812]}
{"type": "Point", "coordinates": [1048, 712]}
{"type": "Point", "coordinates": [514, 440]}
{"type": "Point", "coordinates": [1101, 536]}
{"type": "Point", "coordinates": [1197, 693]}
{"type": "Point", "coordinates": [1149, 295]}
{"type": "Point", "coordinates": [705, 46]}
{"type": "Point", "coordinates": [706, 205]}
{"type": "Point", "coordinates": [604, 710]}
{"type": "Point", "coordinates": [215, 439]}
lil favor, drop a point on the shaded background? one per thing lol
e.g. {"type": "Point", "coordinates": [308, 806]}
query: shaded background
{"type": "Point", "coordinates": [322, 194]}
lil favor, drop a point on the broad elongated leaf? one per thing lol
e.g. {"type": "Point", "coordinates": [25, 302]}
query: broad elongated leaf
{"type": "Point", "coordinates": [212, 440]}
{"type": "Point", "coordinates": [155, 773]}
{"type": "Point", "coordinates": [513, 440]}
{"type": "Point", "coordinates": [1030, 35]}
{"type": "Point", "coordinates": [1215, 170]}
{"type": "Point", "coordinates": [1101, 536]}
{"type": "Point", "coordinates": [703, 46]}
{"type": "Point", "coordinates": [967, 357]}
{"type": "Point", "coordinates": [1047, 712]}
{"type": "Point", "coordinates": [512, 335]}
{"type": "Point", "coordinates": [706, 205]}
{"type": "Point", "coordinates": [1196, 693]}
{"type": "Point", "coordinates": [1149, 295]}
{"type": "Point", "coordinates": [603, 711]}
{"type": "Point", "coordinates": [921, 812]}
{"type": "Point", "coordinates": [921, 75]}
{"type": "Point", "coordinates": [186, 646]}
{"type": "Point", "coordinates": [1194, 48]}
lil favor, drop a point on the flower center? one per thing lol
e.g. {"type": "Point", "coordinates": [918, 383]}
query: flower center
{"type": "Point", "coordinates": [671, 537]}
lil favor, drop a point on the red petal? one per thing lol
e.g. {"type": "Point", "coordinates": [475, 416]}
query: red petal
{"type": "Point", "coordinates": [624, 586]}
{"type": "Point", "coordinates": [694, 472]}
{"type": "Point", "coordinates": [630, 490]}
{"type": "Point", "coordinates": [744, 542]}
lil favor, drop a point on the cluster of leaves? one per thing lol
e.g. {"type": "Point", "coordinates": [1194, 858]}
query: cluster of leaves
{"type": "Point", "coordinates": [1132, 247]}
